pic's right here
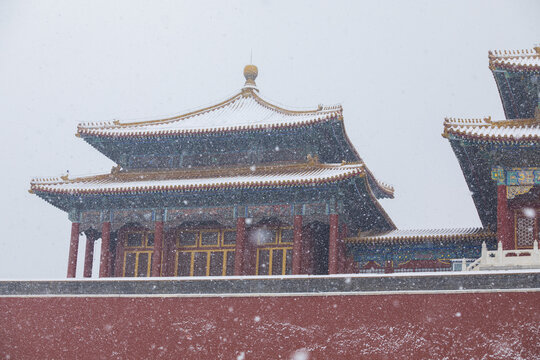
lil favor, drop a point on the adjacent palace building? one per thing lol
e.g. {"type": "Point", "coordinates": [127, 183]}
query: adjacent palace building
{"type": "Point", "coordinates": [246, 187]}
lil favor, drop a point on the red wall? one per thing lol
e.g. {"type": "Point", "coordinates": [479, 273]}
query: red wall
{"type": "Point", "coordinates": [399, 326]}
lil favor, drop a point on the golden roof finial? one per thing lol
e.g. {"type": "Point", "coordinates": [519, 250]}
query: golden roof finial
{"type": "Point", "coordinates": [250, 73]}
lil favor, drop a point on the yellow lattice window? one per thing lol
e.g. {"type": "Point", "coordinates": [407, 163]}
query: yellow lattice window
{"type": "Point", "coordinates": [525, 230]}
{"type": "Point", "coordinates": [274, 261]}
{"type": "Point", "coordinates": [137, 263]}
{"type": "Point", "coordinates": [206, 238]}
{"type": "Point", "coordinates": [139, 239]}
{"type": "Point", "coordinates": [204, 262]}
{"type": "Point", "coordinates": [266, 236]}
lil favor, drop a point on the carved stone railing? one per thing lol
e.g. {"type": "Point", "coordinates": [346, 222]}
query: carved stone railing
{"type": "Point", "coordinates": [524, 258]}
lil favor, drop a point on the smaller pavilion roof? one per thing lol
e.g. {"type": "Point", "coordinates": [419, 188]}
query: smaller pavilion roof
{"type": "Point", "coordinates": [118, 182]}
{"type": "Point", "coordinates": [423, 235]}
{"type": "Point", "coordinates": [522, 130]}
{"type": "Point", "coordinates": [520, 60]}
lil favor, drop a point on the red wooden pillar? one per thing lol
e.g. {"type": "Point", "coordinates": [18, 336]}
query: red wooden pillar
{"type": "Point", "coordinates": [342, 266]}
{"type": "Point", "coordinates": [297, 245]}
{"type": "Point", "coordinates": [333, 244]}
{"type": "Point", "coordinates": [389, 267]}
{"type": "Point", "coordinates": [73, 250]}
{"type": "Point", "coordinates": [504, 220]}
{"type": "Point", "coordinates": [158, 247]}
{"type": "Point", "coordinates": [240, 246]}
{"type": "Point", "coordinates": [104, 260]}
{"type": "Point", "coordinates": [169, 254]}
{"type": "Point", "coordinates": [89, 255]}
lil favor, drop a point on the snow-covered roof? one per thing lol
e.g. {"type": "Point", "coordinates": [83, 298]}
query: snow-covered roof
{"type": "Point", "coordinates": [246, 110]}
{"type": "Point", "coordinates": [485, 129]}
{"type": "Point", "coordinates": [118, 182]}
{"type": "Point", "coordinates": [421, 235]}
{"type": "Point", "coordinates": [524, 60]}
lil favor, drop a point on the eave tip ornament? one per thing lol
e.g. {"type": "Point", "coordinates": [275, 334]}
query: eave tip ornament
{"type": "Point", "coordinates": [250, 73]}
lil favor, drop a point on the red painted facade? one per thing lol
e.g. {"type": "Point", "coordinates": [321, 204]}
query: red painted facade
{"type": "Point", "coordinates": [501, 325]}
{"type": "Point", "coordinates": [105, 252]}
{"type": "Point", "coordinates": [88, 255]}
{"type": "Point", "coordinates": [504, 220]}
{"type": "Point", "coordinates": [73, 250]}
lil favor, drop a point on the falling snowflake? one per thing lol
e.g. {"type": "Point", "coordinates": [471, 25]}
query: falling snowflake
{"type": "Point", "coordinates": [529, 212]}
{"type": "Point", "coordinates": [300, 354]}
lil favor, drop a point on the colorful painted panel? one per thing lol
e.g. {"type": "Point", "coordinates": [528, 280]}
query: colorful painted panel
{"type": "Point", "coordinates": [219, 214]}
{"type": "Point", "coordinates": [262, 211]}
{"type": "Point", "coordinates": [516, 176]}
{"type": "Point", "coordinates": [90, 220]}
{"type": "Point", "coordinates": [122, 217]}
{"type": "Point", "coordinates": [527, 227]}
{"type": "Point", "coordinates": [315, 209]}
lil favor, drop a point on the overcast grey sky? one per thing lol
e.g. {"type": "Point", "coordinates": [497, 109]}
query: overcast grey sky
{"type": "Point", "coordinates": [397, 67]}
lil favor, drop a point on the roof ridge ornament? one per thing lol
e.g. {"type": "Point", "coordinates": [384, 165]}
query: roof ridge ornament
{"type": "Point", "coordinates": [250, 73]}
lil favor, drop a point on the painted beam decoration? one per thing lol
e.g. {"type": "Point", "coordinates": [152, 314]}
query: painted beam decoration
{"type": "Point", "coordinates": [516, 176]}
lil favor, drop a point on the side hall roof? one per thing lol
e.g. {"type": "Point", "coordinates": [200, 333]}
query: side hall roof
{"type": "Point", "coordinates": [424, 235]}
{"type": "Point", "coordinates": [520, 130]}
{"type": "Point", "coordinates": [519, 60]}
{"type": "Point", "coordinates": [119, 182]}
{"type": "Point", "coordinates": [245, 111]}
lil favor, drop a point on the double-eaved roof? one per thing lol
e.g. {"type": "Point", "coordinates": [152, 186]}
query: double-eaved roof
{"type": "Point", "coordinates": [483, 144]}
{"type": "Point", "coordinates": [242, 150]}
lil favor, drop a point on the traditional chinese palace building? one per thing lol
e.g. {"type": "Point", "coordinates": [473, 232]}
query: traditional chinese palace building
{"type": "Point", "coordinates": [246, 187]}
{"type": "Point", "coordinates": [501, 164]}
{"type": "Point", "coordinates": [243, 187]}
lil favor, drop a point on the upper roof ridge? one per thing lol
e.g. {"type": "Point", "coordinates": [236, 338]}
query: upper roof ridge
{"type": "Point", "coordinates": [515, 53]}
{"type": "Point", "coordinates": [467, 121]}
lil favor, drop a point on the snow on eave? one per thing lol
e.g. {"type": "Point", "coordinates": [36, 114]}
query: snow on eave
{"type": "Point", "coordinates": [245, 111]}
{"type": "Point", "coordinates": [521, 60]}
{"type": "Point", "coordinates": [418, 235]}
{"type": "Point", "coordinates": [196, 180]}
{"type": "Point", "coordinates": [516, 130]}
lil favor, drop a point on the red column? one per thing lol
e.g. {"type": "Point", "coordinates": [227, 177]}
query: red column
{"type": "Point", "coordinates": [89, 255]}
{"type": "Point", "coordinates": [240, 245]}
{"type": "Point", "coordinates": [388, 267]}
{"type": "Point", "coordinates": [105, 252]}
{"type": "Point", "coordinates": [170, 252]}
{"type": "Point", "coordinates": [297, 246]}
{"type": "Point", "coordinates": [504, 220]}
{"type": "Point", "coordinates": [158, 247]}
{"type": "Point", "coordinates": [333, 244]}
{"type": "Point", "coordinates": [342, 266]}
{"type": "Point", "coordinates": [73, 250]}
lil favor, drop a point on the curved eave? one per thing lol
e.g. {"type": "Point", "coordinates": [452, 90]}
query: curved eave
{"type": "Point", "coordinates": [107, 130]}
{"type": "Point", "coordinates": [211, 131]}
{"type": "Point", "coordinates": [460, 129]}
{"type": "Point", "coordinates": [165, 189]}
{"type": "Point", "coordinates": [380, 190]}
{"type": "Point", "coordinates": [535, 69]}
{"type": "Point", "coordinates": [506, 140]}
{"type": "Point", "coordinates": [386, 217]}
